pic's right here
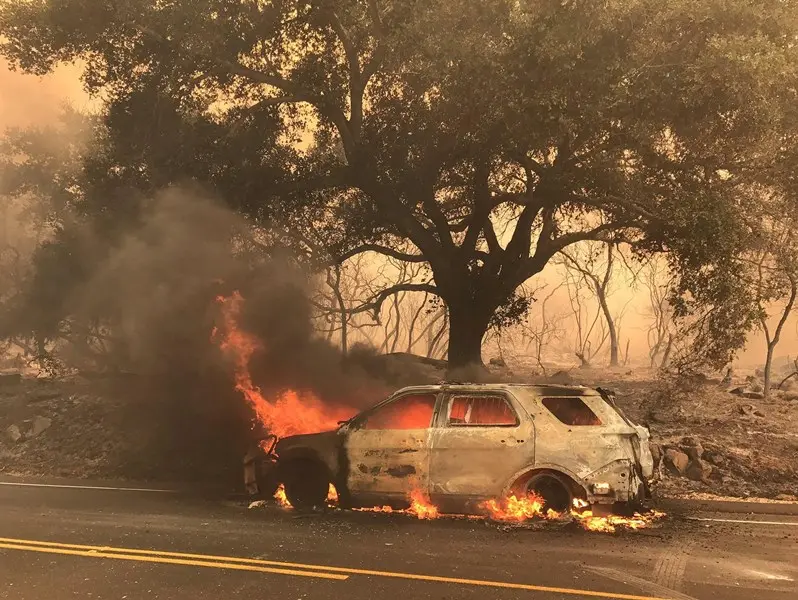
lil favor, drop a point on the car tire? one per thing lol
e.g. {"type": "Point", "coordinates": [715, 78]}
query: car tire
{"type": "Point", "coordinates": [306, 483]}
{"type": "Point", "coordinates": [555, 492]}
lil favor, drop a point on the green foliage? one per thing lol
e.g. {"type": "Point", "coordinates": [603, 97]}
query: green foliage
{"type": "Point", "coordinates": [439, 122]}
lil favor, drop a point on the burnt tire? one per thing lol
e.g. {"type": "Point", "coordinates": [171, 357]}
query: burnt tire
{"type": "Point", "coordinates": [555, 492]}
{"type": "Point", "coordinates": [306, 483]}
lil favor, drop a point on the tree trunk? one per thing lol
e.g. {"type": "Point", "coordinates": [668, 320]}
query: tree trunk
{"type": "Point", "coordinates": [768, 370]}
{"type": "Point", "coordinates": [667, 355]}
{"type": "Point", "coordinates": [614, 362]}
{"type": "Point", "coordinates": [467, 327]}
{"type": "Point", "coordinates": [343, 314]}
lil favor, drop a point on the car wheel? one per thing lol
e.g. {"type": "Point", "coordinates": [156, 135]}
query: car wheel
{"type": "Point", "coordinates": [555, 492]}
{"type": "Point", "coordinates": [306, 483]}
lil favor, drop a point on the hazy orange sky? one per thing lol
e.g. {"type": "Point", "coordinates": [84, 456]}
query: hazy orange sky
{"type": "Point", "coordinates": [26, 100]}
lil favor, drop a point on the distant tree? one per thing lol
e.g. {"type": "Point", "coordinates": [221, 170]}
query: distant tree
{"type": "Point", "coordinates": [570, 121]}
{"type": "Point", "coordinates": [658, 283]}
{"type": "Point", "coordinates": [774, 266]}
{"type": "Point", "coordinates": [543, 325]}
{"type": "Point", "coordinates": [595, 264]}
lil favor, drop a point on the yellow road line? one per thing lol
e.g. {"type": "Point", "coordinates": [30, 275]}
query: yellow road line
{"type": "Point", "coordinates": [171, 561]}
{"type": "Point", "coordinates": [110, 551]}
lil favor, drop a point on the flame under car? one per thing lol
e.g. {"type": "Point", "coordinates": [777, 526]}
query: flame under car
{"type": "Point", "coordinates": [464, 444]}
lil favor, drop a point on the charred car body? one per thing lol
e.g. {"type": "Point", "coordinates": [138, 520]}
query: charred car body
{"type": "Point", "coordinates": [462, 444]}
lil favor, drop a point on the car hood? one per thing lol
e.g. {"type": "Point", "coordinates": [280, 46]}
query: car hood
{"type": "Point", "coordinates": [314, 441]}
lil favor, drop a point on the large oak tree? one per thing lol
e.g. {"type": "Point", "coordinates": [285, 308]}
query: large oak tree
{"type": "Point", "coordinates": [489, 135]}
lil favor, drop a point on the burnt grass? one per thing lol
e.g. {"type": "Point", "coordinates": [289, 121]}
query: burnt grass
{"type": "Point", "coordinates": [122, 429]}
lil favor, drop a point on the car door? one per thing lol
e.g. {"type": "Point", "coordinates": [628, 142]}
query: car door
{"type": "Point", "coordinates": [482, 440]}
{"type": "Point", "coordinates": [387, 449]}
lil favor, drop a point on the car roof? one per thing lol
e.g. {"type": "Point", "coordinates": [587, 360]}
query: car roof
{"type": "Point", "coordinates": [545, 389]}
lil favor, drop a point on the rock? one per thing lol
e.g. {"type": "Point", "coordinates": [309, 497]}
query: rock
{"type": "Point", "coordinates": [750, 411]}
{"type": "Point", "coordinates": [497, 362]}
{"type": "Point", "coordinates": [790, 396]}
{"type": "Point", "coordinates": [692, 448]}
{"type": "Point", "coordinates": [39, 425]}
{"type": "Point", "coordinates": [714, 458]}
{"type": "Point", "coordinates": [13, 433]}
{"type": "Point", "coordinates": [656, 452]}
{"type": "Point", "coordinates": [698, 470]}
{"type": "Point", "coordinates": [258, 504]}
{"type": "Point", "coordinates": [676, 461]}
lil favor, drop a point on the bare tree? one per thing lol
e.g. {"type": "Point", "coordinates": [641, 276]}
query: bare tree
{"type": "Point", "coordinates": [437, 334]}
{"type": "Point", "coordinates": [776, 281]}
{"type": "Point", "coordinates": [595, 264]}
{"type": "Point", "coordinates": [542, 326]}
{"type": "Point", "coordinates": [590, 326]}
{"type": "Point", "coordinates": [658, 282]}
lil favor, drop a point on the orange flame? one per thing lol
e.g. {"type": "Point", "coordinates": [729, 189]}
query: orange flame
{"type": "Point", "coordinates": [609, 523]}
{"type": "Point", "coordinates": [518, 509]}
{"type": "Point", "coordinates": [512, 509]}
{"type": "Point", "coordinates": [421, 507]}
{"type": "Point", "coordinates": [332, 496]}
{"type": "Point", "coordinates": [281, 498]}
{"type": "Point", "coordinates": [290, 412]}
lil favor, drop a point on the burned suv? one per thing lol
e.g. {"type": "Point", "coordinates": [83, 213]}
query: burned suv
{"type": "Point", "coordinates": [462, 444]}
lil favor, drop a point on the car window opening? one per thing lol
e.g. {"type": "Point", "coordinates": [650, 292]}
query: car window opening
{"type": "Point", "coordinates": [571, 410]}
{"type": "Point", "coordinates": [480, 410]}
{"type": "Point", "coordinates": [408, 412]}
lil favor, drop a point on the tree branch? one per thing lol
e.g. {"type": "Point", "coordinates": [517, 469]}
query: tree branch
{"type": "Point", "coordinates": [356, 84]}
{"type": "Point", "coordinates": [379, 34]}
{"type": "Point", "coordinates": [375, 305]}
{"type": "Point", "coordinates": [384, 250]}
{"type": "Point", "coordinates": [325, 107]}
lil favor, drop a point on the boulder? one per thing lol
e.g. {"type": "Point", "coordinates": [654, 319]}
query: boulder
{"type": "Point", "coordinates": [676, 461]}
{"type": "Point", "coordinates": [692, 448]}
{"type": "Point", "coordinates": [39, 425]}
{"type": "Point", "coordinates": [13, 433]}
{"type": "Point", "coordinates": [699, 470]}
{"type": "Point", "coordinates": [714, 458]}
{"type": "Point", "coordinates": [656, 452]}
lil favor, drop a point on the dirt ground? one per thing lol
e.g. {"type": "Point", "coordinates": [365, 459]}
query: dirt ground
{"type": "Point", "coordinates": [741, 447]}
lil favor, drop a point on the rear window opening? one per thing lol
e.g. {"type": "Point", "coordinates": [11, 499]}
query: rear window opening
{"type": "Point", "coordinates": [570, 410]}
{"type": "Point", "coordinates": [472, 411]}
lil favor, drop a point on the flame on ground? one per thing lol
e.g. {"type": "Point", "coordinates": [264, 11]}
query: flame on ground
{"type": "Point", "coordinates": [289, 412]}
{"type": "Point", "coordinates": [332, 496]}
{"type": "Point", "coordinates": [512, 509]}
{"type": "Point", "coordinates": [517, 509]}
{"type": "Point", "coordinates": [421, 507]}
{"type": "Point", "coordinates": [281, 498]}
{"type": "Point", "coordinates": [609, 523]}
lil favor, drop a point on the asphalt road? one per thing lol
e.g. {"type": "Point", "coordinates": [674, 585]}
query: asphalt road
{"type": "Point", "coordinates": [60, 543]}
